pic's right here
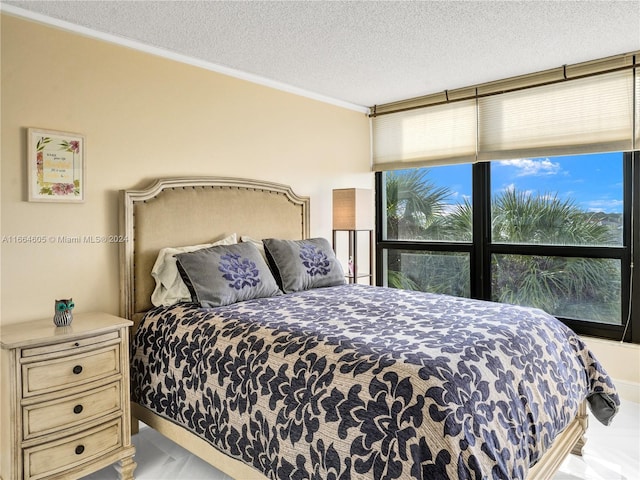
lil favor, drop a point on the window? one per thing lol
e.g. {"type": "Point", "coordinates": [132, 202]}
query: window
{"type": "Point", "coordinates": [429, 204]}
{"type": "Point", "coordinates": [428, 229]}
{"type": "Point", "coordinates": [573, 200]}
{"type": "Point", "coordinates": [428, 271]}
{"type": "Point", "coordinates": [549, 232]}
{"type": "Point", "coordinates": [579, 288]}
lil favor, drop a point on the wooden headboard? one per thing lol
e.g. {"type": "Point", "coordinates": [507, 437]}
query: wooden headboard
{"type": "Point", "coordinates": [173, 212]}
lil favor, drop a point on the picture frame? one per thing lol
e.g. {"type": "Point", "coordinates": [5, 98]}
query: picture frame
{"type": "Point", "coordinates": [56, 166]}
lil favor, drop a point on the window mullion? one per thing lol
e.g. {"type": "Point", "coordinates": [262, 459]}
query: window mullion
{"type": "Point", "coordinates": [481, 257]}
{"type": "Point", "coordinates": [633, 331]}
{"type": "Point", "coordinates": [558, 250]}
{"type": "Point", "coordinates": [380, 227]}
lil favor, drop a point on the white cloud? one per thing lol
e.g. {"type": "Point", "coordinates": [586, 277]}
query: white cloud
{"type": "Point", "coordinates": [512, 187]}
{"type": "Point", "coordinates": [449, 208]}
{"type": "Point", "coordinates": [549, 196]}
{"type": "Point", "coordinates": [529, 167]}
{"type": "Point", "coordinates": [604, 205]}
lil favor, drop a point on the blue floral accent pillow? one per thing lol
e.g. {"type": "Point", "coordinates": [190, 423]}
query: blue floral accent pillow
{"type": "Point", "coordinates": [303, 264]}
{"type": "Point", "coordinates": [226, 274]}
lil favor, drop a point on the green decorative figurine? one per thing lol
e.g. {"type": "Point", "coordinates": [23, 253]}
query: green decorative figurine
{"type": "Point", "coordinates": [63, 315]}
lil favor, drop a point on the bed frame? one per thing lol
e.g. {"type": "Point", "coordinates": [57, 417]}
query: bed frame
{"type": "Point", "coordinates": [195, 210]}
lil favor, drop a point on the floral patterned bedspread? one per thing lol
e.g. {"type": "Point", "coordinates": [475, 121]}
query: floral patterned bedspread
{"type": "Point", "coordinates": [368, 382]}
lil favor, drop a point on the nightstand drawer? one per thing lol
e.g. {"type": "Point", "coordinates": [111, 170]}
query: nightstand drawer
{"type": "Point", "coordinates": [43, 418]}
{"type": "Point", "coordinates": [52, 375]}
{"type": "Point", "coordinates": [73, 345]}
{"type": "Point", "coordinates": [55, 457]}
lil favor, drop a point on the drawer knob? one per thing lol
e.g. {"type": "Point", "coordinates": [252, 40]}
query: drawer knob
{"type": "Point", "coordinates": [79, 449]}
{"type": "Point", "coordinates": [77, 369]}
{"type": "Point", "coordinates": [77, 409]}
{"type": "Point", "coordinates": [77, 344]}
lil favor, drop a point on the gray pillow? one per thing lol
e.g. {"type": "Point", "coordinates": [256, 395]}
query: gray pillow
{"type": "Point", "coordinates": [226, 274]}
{"type": "Point", "coordinates": [303, 264]}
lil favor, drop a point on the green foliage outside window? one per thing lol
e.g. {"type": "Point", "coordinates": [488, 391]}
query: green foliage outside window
{"type": "Point", "coordinates": [574, 287]}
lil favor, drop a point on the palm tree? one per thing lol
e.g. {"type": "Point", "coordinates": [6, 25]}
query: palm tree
{"type": "Point", "coordinates": [416, 210]}
{"type": "Point", "coordinates": [566, 286]}
{"type": "Point", "coordinates": [458, 224]}
{"type": "Point", "coordinates": [414, 205]}
{"type": "Point", "coordinates": [520, 217]}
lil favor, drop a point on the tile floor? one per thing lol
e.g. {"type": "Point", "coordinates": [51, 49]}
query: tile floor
{"type": "Point", "coordinates": [611, 453]}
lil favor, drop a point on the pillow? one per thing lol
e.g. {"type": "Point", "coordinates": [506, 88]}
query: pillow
{"type": "Point", "coordinates": [303, 264]}
{"type": "Point", "coordinates": [170, 288]}
{"type": "Point", "coordinates": [257, 243]}
{"type": "Point", "coordinates": [223, 275]}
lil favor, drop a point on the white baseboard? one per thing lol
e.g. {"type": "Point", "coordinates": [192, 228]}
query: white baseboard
{"type": "Point", "coordinates": [628, 390]}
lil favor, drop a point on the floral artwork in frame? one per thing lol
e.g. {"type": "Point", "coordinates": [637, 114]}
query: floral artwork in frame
{"type": "Point", "coordinates": [56, 170]}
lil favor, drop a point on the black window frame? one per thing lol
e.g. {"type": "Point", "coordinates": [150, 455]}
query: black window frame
{"type": "Point", "coordinates": [481, 248]}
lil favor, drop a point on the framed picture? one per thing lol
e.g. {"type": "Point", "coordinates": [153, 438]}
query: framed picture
{"type": "Point", "coordinates": [56, 169]}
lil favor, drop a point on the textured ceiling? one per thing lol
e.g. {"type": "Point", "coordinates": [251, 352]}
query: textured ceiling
{"type": "Point", "coordinates": [366, 53]}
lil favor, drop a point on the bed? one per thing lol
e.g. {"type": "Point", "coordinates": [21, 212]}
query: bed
{"type": "Point", "coordinates": [335, 380]}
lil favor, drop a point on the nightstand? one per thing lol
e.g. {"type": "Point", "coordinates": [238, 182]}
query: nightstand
{"type": "Point", "coordinates": [64, 402]}
{"type": "Point", "coordinates": [353, 214]}
{"type": "Point", "coordinates": [356, 270]}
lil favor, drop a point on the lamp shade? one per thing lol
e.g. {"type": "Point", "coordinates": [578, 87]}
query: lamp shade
{"type": "Point", "coordinates": [352, 209]}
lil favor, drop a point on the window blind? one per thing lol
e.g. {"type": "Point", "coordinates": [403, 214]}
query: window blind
{"type": "Point", "coordinates": [584, 108]}
{"type": "Point", "coordinates": [443, 133]}
{"type": "Point", "coordinates": [592, 114]}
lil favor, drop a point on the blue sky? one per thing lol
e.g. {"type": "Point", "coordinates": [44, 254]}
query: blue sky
{"type": "Point", "coordinates": [594, 182]}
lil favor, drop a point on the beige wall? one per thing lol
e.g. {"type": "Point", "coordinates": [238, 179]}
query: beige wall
{"type": "Point", "coordinates": [143, 117]}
